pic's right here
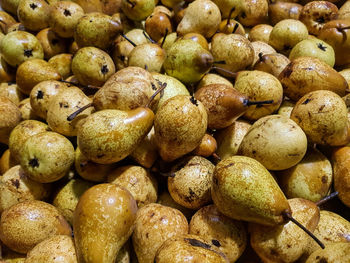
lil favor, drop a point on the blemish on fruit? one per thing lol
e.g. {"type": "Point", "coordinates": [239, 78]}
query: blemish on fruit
{"type": "Point", "coordinates": [34, 162]}
{"type": "Point", "coordinates": [194, 101]}
{"type": "Point", "coordinates": [306, 101]}
{"type": "Point", "coordinates": [324, 179]}
{"type": "Point", "coordinates": [39, 95]}
{"type": "Point", "coordinates": [216, 243]}
{"type": "Point", "coordinates": [15, 183]}
{"type": "Point", "coordinates": [104, 69]}
{"type": "Point", "coordinates": [321, 46]}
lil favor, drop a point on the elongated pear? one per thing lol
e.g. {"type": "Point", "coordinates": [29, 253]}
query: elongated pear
{"type": "Point", "coordinates": [243, 189]}
{"type": "Point", "coordinates": [103, 221]}
{"type": "Point", "coordinates": [108, 136]}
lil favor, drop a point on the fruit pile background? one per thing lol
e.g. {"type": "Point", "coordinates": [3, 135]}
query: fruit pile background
{"type": "Point", "coordinates": [174, 131]}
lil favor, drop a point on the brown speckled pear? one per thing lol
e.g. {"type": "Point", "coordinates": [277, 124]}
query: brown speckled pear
{"type": "Point", "coordinates": [227, 235]}
{"type": "Point", "coordinates": [22, 132]}
{"type": "Point", "coordinates": [180, 124]}
{"type": "Point", "coordinates": [103, 221]}
{"type": "Point", "coordinates": [10, 116]}
{"type": "Point", "coordinates": [26, 224]}
{"type": "Point", "coordinates": [336, 252]}
{"type": "Point", "coordinates": [285, 243]}
{"type": "Point", "coordinates": [181, 248]}
{"type": "Point", "coordinates": [156, 223]}
{"type": "Point", "coordinates": [201, 16]}
{"type": "Point", "coordinates": [33, 71]}
{"type": "Point", "coordinates": [243, 189]}
{"type": "Point", "coordinates": [59, 248]}
{"type": "Point", "coordinates": [306, 74]}
{"type": "Point", "coordinates": [108, 136]}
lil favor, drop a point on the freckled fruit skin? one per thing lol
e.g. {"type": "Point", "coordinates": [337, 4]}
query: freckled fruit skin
{"type": "Point", "coordinates": [243, 189]}
{"type": "Point", "coordinates": [103, 221]}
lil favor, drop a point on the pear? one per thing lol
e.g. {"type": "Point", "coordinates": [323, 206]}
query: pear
{"type": "Point", "coordinates": [243, 189]}
{"type": "Point", "coordinates": [7, 161]}
{"type": "Point", "coordinates": [174, 87]}
{"type": "Point", "coordinates": [11, 91]}
{"type": "Point", "coordinates": [19, 46]}
{"type": "Point", "coordinates": [137, 10]}
{"type": "Point", "coordinates": [310, 179]}
{"type": "Point", "coordinates": [234, 49]}
{"type": "Point", "coordinates": [33, 71]}
{"type": "Point", "coordinates": [103, 221]}
{"type": "Point", "coordinates": [96, 29]}
{"type": "Point", "coordinates": [56, 248]}
{"type": "Point", "coordinates": [34, 14]}
{"type": "Point", "coordinates": [22, 132]}
{"type": "Point", "coordinates": [10, 116]}
{"type": "Point", "coordinates": [201, 16]}
{"type": "Point", "coordinates": [207, 147]}
{"type": "Point", "coordinates": [260, 32]}
{"type": "Point", "coordinates": [212, 78]}
{"type": "Point", "coordinates": [64, 16]}
{"type": "Point", "coordinates": [227, 7]}
{"type": "Point", "coordinates": [285, 243]}
{"type": "Point", "coordinates": [187, 61]}
{"type": "Point", "coordinates": [337, 252]}
{"type": "Point", "coordinates": [179, 125]}
{"type": "Point", "coordinates": [62, 63]}
{"type": "Point", "coordinates": [272, 63]}
{"type": "Point", "coordinates": [230, 138]}
{"type": "Point", "coordinates": [26, 110]}
{"type": "Point", "coordinates": [146, 153]}
{"type": "Point", "coordinates": [149, 56]}
{"type": "Point", "coordinates": [92, 66]}
{"type": "Point", "coordinates": [229, 236]}
{"type": "Point", "coordinates": [7, 73]}
{"type": "Point", "coordinates": [341, 159]}
{"type": "Point", "coordinates": [66, 197]}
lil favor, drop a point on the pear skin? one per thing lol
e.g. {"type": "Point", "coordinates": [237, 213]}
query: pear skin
{"type": "Point", "coordinates": [103, 221]}
{"type": "Point", "coordinates": [108, 136]}
{"type": "Point", "coordinates": [243, 189]}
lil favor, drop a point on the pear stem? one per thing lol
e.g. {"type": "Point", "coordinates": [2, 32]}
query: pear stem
{"type": "Point", "coordinates": [233, 75]}
{"type": "Point", "coordinates": [162, 87]}
{"type": "Point", "coordinates": [327, 198]}
{"type": "Point", "coordinates": [230, 15]}
{"type": "Point", "coordinates": [165, 35]}
{"type": "Point", "coordinates": [148, 37]}
{"type": "Point", "coordinates": [74, 114]}
{"type": "Point", "coordinates": [235, 28]}
{"type": "Point", "coordinates": [79, 85]}
{"type": "Point", "coordinates": [129, 40]}
{"type": "Point", "coordinates": [216, 156]}
{"type": "Point", "coordinates": [167, 174]}
{"type": "Point", "coordinates": [291, 218]}
{"type": "Point", "coordinates": [261, 102]}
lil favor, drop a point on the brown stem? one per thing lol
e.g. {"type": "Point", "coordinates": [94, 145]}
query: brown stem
{"type": "Point", "coordinates": [327, 198]}
{"type": "Point", "coordinates": [233, 74]}
{"type": "Point", "coordinates": [167, 174]}
{"type": "Point", "coordinates": [230, 15]}
{"type": "Point", "coordinates": [166, 34]}
{"type": "Point", "coordinates": [288, 216]}
{"type": "Point", "coordinates": [74, 114]}
{"type": "Point", "coordinates": [162, 87]}
{"type": "Point", "coordinates": [260, 102]}
{"type": "Point", "coordinates": [216, 156]}
{"type": "Point", "coordinates": [129, 40]}
{"type": "Point", "coordinates": [148, 37]}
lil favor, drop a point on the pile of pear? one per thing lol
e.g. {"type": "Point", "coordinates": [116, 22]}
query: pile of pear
{"type": "Point", "coordinates": [174, 131]}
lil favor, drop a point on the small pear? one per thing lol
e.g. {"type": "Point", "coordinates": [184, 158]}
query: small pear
{"type": "Point", "coordinates": [137, 10]}
{"type": "Point", "coordinates": [201, 16]}
{"type": "Point", "coordinates": [179, 125]}
{"type": "Point", "coordinates": [103, 221]}
{"type": "Point", "coordinates": [272, 63]}
{"type": "Point", "coordinates": [33, 14]}
{"type": "Point", "coordinates": [62, 62]}
{"type": "Point", "coordinates": [187, 61]}
{"type": "Point", "coordinates": [243, 189]}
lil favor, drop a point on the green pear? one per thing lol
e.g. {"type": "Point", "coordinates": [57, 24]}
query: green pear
{"type": "Point", "coordinates": [243, 189]}
{"type": "Point", "coordinates": [108, 136]}
{"type": "Point", "coordinates": [103, 221]}
{"type": "Point", "coordinates": [201, 16]}
{"type": "Point", "coordinates": [187, 61]}
{"type": "Point", "coordinates": [137, 10]}
{"type": "Point", "coordinates": [19, 46]}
